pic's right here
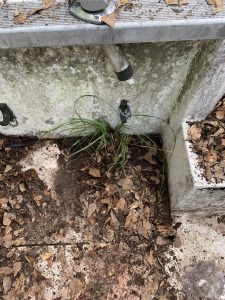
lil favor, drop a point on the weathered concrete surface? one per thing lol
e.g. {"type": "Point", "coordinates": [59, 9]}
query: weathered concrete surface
{"type": "Point", "coordinates": [200, 256]}
{"type": "Point", "coordinates": [41, 85]}
{"type": "Point", "coordinates": [199, 95]}
{"type": "Point", "coordinates": [172, 81]}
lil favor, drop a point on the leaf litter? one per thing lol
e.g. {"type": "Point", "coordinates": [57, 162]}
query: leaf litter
{"type": "Point", "coordinates": [96, 231]}
{"type": "Point", "coordinates": [208, 142]}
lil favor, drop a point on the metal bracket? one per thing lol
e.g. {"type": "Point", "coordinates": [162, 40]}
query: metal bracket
{"type": "Point", "coordinates": [125, 112]}
{"type": "Point", "coordinates": [8, 116]}
{"type": "Point", "coordinates": [77, 11]}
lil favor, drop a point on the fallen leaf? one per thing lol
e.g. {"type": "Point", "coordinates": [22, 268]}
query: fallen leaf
{"type": "Point", "coordinates": [36, 10]}
{"type": "Point", "coordinates": [166, 231]}
{"type": "Point", "coordinates": [91, 209]}
{"type": "Point", "coordinates": [109, 19]}
{"type": "Point", "coordinates": [111, 189]}
{"type": "Point", "coordinates": [149, 158]}
{"type": "Point", "coordinates": [22, 187]}
{"type": "Point", "coordinates": [134, 205]}
{"type": "Point", "coordinates": [37, 199]}
{"type": "Point", "coordinates": [195, 132]}
{"type": "Point", "coordinates": [94, 172]}
{"type": "Point", "coordinates": [211, 157]}
{"type": "Point", "coordinates": [11, 253]}
{"type": "Point", "coordinates": [6, 284]}
{"type": "Point", "coordinates": [121, 204]}
{"type": "Point", "coordinates": [76, 286]}
{"type": "Point", "coordinates": [172, 2]}
{"type": "Point", "coordinates": [208, 173]}
{"type": "Point", "coordinates": [20, 282]}
{"type": "Point", "coordinates": [131, 218]}
{"type": "Point", "coordinates": [8, 168]}
{"type": "Point", "coordinates": [113, 220]}
{"type": "Point", "coordinates": [220, 114]}
{"type": "Point", "coordinates": [17, 267]}
{"type": "Point", "coordinates": [47, 193]}
{"type": "Point", "coordinates": [160, 241]}
{"type": "Point", "coordinates": [48, 3]}
{"type": "Point", "coordinates": [151, 259]}
{"type": "Point", "coordinates": [127, 184]}
{"type": "Point", "coordinates": [46, 255]}
{"type": "Point", "coordinates": [147, 225]}
{"type": "Point", "coordinates": [3, 201]}
{"type": "Point", "coordinates": [217, 4]}
{"type": "Point", "coordinates": [18, 231]}
{"type": "Point", "coordinates": [7, 218]}
{"type": "Point", "coordinates": [20, 18]}
{"type": "Point", "coordinates": [5, 271]}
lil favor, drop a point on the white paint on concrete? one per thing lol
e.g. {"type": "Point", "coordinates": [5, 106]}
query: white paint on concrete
{"type": "Point", "coordinates": [44, 160]}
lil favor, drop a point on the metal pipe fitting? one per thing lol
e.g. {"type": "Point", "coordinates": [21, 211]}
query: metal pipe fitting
{"type": "Point", "coordinates": [119, 61]}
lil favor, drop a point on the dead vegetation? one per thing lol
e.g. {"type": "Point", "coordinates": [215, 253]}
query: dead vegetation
{"type": "Point", "coordinates": [90, 233]}
{"type": "Point", "coordinates": [208, 139]}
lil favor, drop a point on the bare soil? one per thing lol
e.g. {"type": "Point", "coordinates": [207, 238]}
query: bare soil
{"type": "Point", "coordinates": [94, 233]}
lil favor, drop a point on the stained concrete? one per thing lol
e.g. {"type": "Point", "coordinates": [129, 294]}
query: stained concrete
{"type": "Point", "coordinates": [41, 85]}
{"type": "Point", "coordinates": [200, 256]}
{"type": "Point", "coordinates": [172, 82]}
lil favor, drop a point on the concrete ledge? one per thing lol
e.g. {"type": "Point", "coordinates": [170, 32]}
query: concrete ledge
{"type": "Point", "coordinates": [147, 21]}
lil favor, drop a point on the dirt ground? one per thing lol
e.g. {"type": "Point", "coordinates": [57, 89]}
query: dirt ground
{"type": "Point", "coordinates": [84, 232]}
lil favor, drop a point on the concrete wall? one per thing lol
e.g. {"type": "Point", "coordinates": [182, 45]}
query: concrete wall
{"type": "Point", "coordinates": [41, 85]}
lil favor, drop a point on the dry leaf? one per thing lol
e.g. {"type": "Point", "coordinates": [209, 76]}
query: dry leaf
{"type": "Point", "coordinates": [151, 259]}
{"type": "Point", "coordinates": [166, 231]}
{"type": "Point", "coordinates": [111, 189]}
{"type": "Point", "coordinates": [3, 201]}
{"type": "Point", "coordinates": [121, 204]}
{"type": "Point", "coordinates": [131, 218]}
{"type": "Point", "coordinates": [217, 4]}
{"type": "Point", "coordinates": [36, 10]}
{"type": "Point", "coordinates": [109, 19]}
{"type": "Point", "coordinates": [17, 267]}
{"type": "Point", "coordinates": [47, 193]}
{"type": "Point", "coordinates": [220, 114]}
{"type": "Point", "coordinates": [6, 284]}
{"type": "Point", "coordinates": [147, 225]}
{"type": "Point", "coordinates": [7, 218]}
{"type": "Point", "coordinates": [195, 132]}
{"type": "Point", "coordinates": [211, 157]}
{"type": "Point", "coordinates": [134, 205]}
{"type": "Point", "coordinates": [20, 283]}
{"type": "Point", "coordinates": [20, 18]}
{"type": "Point", "coordinates": [208, 173]}
{"type": "Point", "coordinates": [94, 172]}
{"type": "Point", "coordinates": [121, 3]}
{"type": "Point", "coordinates": [160, 241]}
{"type": "Point", "coordinates": [37, 199]}
{"type": "Point", "coordinates": [91, 209]}
{"type": "Point", "coordinates": [113, 220]}
{"type": "Point", "coordinates": [22, 187]}
{"type": "Point", "coordinates": [48, 3]}
{"type": "Point", "coordinates": [11, 253]}
{"type": "Point", "coordinates": [8, 168]}
{"type": "Point", "coordinates": [176, 2]}
{"type": "Point", "coordinates": [46, 255]}
{"type": "Point", "coordinates": [127, 184]}
{"type": "Point", "coordinates": [5, 271]}
{"type": "Point", "coordinates": [148, 158]}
